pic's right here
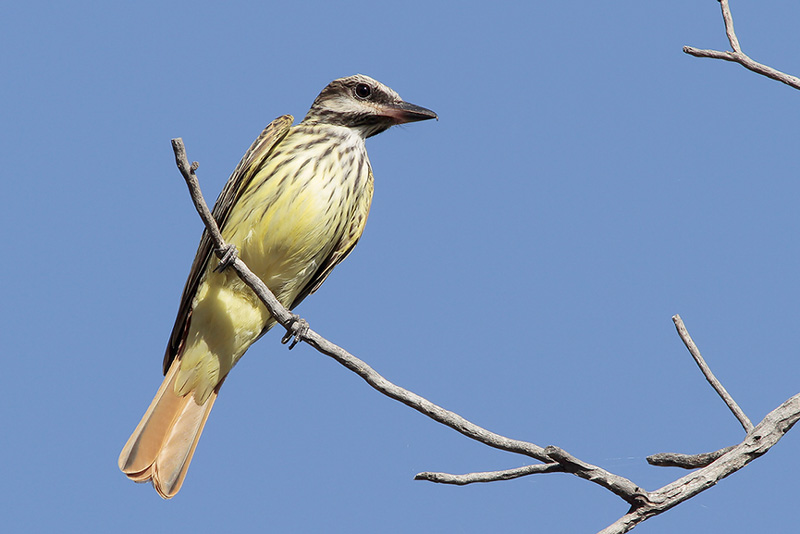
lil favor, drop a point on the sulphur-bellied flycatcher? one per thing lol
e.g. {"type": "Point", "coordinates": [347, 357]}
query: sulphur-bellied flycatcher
{"type": "Point", "coordinates": [295, 206]}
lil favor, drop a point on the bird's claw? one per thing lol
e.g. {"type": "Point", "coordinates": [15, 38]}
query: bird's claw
{"type": "Point", "coordinates": [296, 331]}
{"type": "Point", "coordinates": [229, 256]}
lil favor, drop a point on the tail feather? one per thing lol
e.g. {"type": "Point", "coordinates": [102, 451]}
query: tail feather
{"type": "Point", "coordinates": [161, 447]}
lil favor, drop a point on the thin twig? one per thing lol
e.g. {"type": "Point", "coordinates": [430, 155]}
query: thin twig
{"type": "Point", "coordinates": [716, 384]}
{"type": "Point", "coordinates": [737, 56]}
{"type": "Point", "coordinates": [686, 461]}
{"type": "Point", "coordinates": [728, 19]}
{"type": "Point", "coordinates": [489, 476]}
{"type": "Point", "coordinates": [281, 314]}
{"type": "Point", "coordinates": [188, 173]}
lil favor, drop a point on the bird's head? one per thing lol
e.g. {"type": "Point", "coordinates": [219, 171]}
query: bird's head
{"type": "Point", "coordinates": [364, 104]}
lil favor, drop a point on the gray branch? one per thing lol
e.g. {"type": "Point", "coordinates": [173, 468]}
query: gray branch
{"type": "Point", "coordinates": [490, 476]}
{"type": "Point", "coordinates": [716, 384]}
{"type": "Point", "coordinates": [618, 485]}
{"type": "Point", "coordinates": [372, 377]}
{"type": "Point", "coordinates": [281, 314]}
{"type": "Point", "coordinates": [686, 461]}
{"type": "Point", "coordinates": [737, 56]}
{"type": "Point", "coordinates": [766, 434]}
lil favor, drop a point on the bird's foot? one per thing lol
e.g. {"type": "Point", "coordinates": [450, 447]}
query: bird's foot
{"type": "Point", "coordinates": [229, 256]}
{"type": "Point", "coordinates": [296, 331]}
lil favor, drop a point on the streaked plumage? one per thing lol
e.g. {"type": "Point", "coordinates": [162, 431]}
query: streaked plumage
{"type": "Point", "coordinates": [295, 207]}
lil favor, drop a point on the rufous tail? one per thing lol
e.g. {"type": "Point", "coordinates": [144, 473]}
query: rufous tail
{"type": "Point", "coordinates": [161, 447]}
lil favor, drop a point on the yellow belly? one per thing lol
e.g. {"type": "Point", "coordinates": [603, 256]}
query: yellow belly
{"type": "Point", "coordinates": [283, 229]}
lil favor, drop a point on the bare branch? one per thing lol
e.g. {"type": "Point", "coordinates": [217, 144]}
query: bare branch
{"type": "Point", "coordinates": [188, 173]}
{"type": "Point", "coordinates": [728, 19]}
{"type": "Point", "coordinates": [686, 461]}
{"type": "Point", "coordinates": [766, 434]}
{"type": "Point", "coordinates": [620, 486]}
{"type": "Point", "coordinates": [737, 56]}
{"type": "Point", "coordinates": [716, 384]}
{"type": "Point", "coordinates": [490, 476]}
{"type": "Point", "coordinates": [372, 377]}
{"type": "Point", "coordinates": [281, 314]}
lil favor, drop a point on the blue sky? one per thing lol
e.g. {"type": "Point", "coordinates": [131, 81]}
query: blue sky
{"type": "Point", "coordinates": [524, 254]}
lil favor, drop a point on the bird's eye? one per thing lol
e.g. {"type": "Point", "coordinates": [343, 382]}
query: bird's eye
{"type": "Point", "coordinates": [363, 90]}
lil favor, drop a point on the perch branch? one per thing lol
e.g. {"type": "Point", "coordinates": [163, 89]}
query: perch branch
{"type": "Point", "coordinates": [619, 485]}
{"type": "Point", "coordinates": [372, 377]}
{"type": "Point", "coordinates": [281, 314]}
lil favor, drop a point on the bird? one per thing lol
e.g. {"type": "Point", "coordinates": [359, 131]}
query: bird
{"type": "Point", "coordinates": [294, 208]}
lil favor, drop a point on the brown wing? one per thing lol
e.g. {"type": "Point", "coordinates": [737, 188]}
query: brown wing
{"type": "Point", "coordinates": [350, 237]}
{"type": "Point", "coordinates": [253, 160]}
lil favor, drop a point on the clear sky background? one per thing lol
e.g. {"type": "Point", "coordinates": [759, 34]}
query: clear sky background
{"type": "Point", "coordinates": [586, 181]}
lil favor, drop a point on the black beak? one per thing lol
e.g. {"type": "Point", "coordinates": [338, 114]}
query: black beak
{"type": "Point", "coordinates": [402, 112]}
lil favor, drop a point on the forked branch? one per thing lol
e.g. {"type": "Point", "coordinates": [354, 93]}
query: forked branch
{"type": "Point", "coordinates": [737, 56]}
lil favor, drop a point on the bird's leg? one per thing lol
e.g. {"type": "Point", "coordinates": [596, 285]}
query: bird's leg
{"type": "Point", "coordinates": [229, 255]}
{"type": "Point", "coordinates": [296, 331]}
